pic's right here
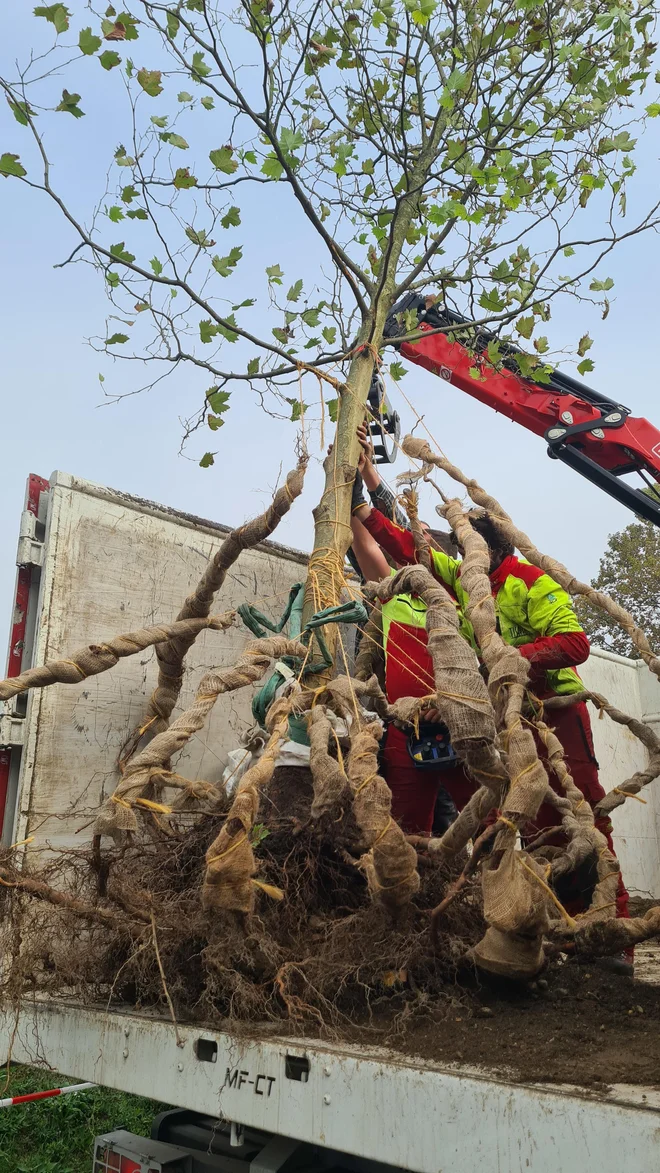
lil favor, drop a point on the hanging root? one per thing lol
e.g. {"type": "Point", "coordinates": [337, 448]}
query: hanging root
{"type": "Point", "coordinates": [389, 862]}
{"type": "Point", "coordinates": [95, 658]}
{"type": "Point", "coordinates": [117, 815]}
{"type": "Point", "coordinates": [632, 786]}
{"type": "Point", "coordinates": [229, 883]}
{"type": "Point", "coordinates": [172, 654]}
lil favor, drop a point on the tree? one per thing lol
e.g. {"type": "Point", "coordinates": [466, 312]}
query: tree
{"type": "Point", "coordinates": [630, 572]}
{"type": "Point", "coordinates": [444, 145]}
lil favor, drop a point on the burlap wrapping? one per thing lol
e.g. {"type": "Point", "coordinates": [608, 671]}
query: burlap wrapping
{"type": "Point", "coordinates": [96, 658]}
{"type": "Point", "coordinates": [389, 862]}
{"type": "Point", "coordinates": [230, 863]}
{"type": "Point", "coordinates": [331, 787]}
{"type": "Point", "coordinates": [514, 899]}
{"type": "Point", "coordinates": [117, 816]}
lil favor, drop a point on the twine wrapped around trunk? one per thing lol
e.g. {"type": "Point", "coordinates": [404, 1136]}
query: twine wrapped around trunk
{"type": "Point", "coordinates": [370, 659]}
{"type": "Point", "coordinates": [117, 815]}
{"type": "Point", "coordinates": [641, 778]}
{"type": "Point", "coordinates": [96, 658]}
{"type": "Point", "coordinates": [172, 654]}
{"type": "Point", "coordinates": [229, 884]}
{"type": "Point", "coordinates": [419, 449]}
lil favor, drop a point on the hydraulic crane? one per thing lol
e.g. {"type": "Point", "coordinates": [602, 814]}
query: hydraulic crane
{"type": "Point", "coordinates": [594, 435]}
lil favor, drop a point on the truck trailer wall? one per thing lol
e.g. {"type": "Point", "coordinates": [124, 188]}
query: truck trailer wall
{"type": "Point", "coordinates": [111, 564]}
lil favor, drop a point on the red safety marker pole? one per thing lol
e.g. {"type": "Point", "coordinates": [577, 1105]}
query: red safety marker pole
{"type": "Point", "coordinates": [55, 1091]}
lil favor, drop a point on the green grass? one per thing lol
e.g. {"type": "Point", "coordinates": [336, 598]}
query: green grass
{"type": "Point", "coordinates": [57, 1136]}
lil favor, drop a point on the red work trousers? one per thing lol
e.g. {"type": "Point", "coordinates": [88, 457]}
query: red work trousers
{"type": "Point", "coordinates": [414, 791]}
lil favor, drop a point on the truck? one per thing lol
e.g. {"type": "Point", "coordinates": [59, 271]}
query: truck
{"type": "Point", "coordinates": [93, 562]}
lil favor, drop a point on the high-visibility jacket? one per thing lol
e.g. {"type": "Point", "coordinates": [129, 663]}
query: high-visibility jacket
{"type": "Point", "coordinates": [534, 614]}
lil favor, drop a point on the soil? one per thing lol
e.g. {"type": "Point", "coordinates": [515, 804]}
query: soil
{"type": "Point", "coordinates": [576, 1025]}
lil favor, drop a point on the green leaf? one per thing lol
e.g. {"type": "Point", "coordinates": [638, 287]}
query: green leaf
{"type": "Point", "coordinates": [490, 300]}
{"type": "Point", "coordinates": [274, 274]}
{"type": "Point", "coordinates": [272, 167]}
{"type": "Point", "coordinates": [253, 366]}
{"type": "Point", "coordinates": [333, 409]}
{"type": "Point", "coordinates": [199, 237]}
{"type": "Point", "coordinates": [525, 326]}
{"type": "Point", "coordinates": [109, 59]}
{"type": "Point", "coordinates": [21, 111]}
{"type": "Point", "coordinates": [150, 80]}
{"type": "Point", "coordinates": [56, 14]}
{"type": "Point", "coordinates": [214, 422]}
{"type": "Point", "coordinates": [207, 460]}
{"type": "Point", "coordinates": [653, 110]}
{"type": "Point", "coordinates": [138, 214]}
{"type": "Point", "coordinates": [585, 366]}
{"type": "Point", "coordinates": [122, 159]}
{"type": "Point", "coordinates": [584, 345]}
{"type": "Point", "coordinates": [569, 251]}
{"type": "Point", "coordinates": [183, 179]}
{"type": "Point", "coordinates": [11, 165]}
{"type": "Point", "coordinates": [128, 193]}
{"type": "Point", "coordinates": [88, 43]}
{"type": "Point", "coordinates": [207, 330]}
{"type": "Point", "coordinates": [115, 213]}
{"type": "Point", "coordinates": [601, 286]}
{"type": "Point", "coordinates": [295, 291]}
{"type": "Point", "coordinates": [330, 334]}
{"type": "Point", "coordinates": [112, 278]}
{"type": "Point", "coordinates": [177, 140]}
{"type": "Point", "coordinates": [397, 371]}
{"type": "Point", "coordinates": [184, 96]}
{"type": "Point", "coordinates": [69, 104]}
{"type": "Point", "coordinates": [207, 103]}
{"type": "Point", "coordinates": [159, 120]}
{"type": "Point", "coordinates": [118, 251]}
{"type": "Point", "coordinates": [231, 218]}
{"type": "Point", "coordinates": [226, 329]}
{"type": "Point", "coordinates": [156, 266]}
{"type": "Point", "coordinates": [541, 345]}
{"type": "Point", "coordinates": [172, 25]}
{"type": "Point", "coordinates": [116, 340]}
{"type": "Point", "coordinates": [199, 67]}
{"type": "Point", "coordinates": [298, 409]}
{"type": "Point", "coordinates": [218, 400]}
{"type": "Point", "coordinates": [310, 317]}
{"type": "Point", "coordinates": [222, 159]}
{"type": "Point", "coordinates": [224, 265]}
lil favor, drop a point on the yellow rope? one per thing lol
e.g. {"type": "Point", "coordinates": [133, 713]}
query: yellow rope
{"type": "Point", "coordinates": [627, 794]}
{"type": "Point", "coordinates": [83, 675]}
{"type": "Point", "coordinates": [569, 919]}
{"type": "Point", "coordinates": [228, 850]}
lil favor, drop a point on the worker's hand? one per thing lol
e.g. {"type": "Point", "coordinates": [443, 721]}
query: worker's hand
{"type": "Point", "coordinates": [366, 465]}
{"type": "Point", "coordinates": [432, 716]}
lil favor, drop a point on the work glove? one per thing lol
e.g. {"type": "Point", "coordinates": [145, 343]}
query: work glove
{"type": "Point", "coordinates": [357, 498]}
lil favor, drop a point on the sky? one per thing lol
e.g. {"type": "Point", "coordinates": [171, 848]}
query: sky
{"type": "Point", "coordinates": [52, 410]}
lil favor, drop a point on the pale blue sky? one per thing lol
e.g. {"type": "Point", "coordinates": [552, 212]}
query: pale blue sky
{"type": "Point", "coordinates": [52, 413]}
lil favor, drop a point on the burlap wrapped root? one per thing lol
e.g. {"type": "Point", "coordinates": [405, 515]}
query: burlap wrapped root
{"type": "Point", "coordinates": [332, 792]}
{"type": "Point", "coordinates": [517, 910]}
{"type": "Point", "coordinates": [389, 862]}
{"type": "Point", "coordinates": [229, 884]}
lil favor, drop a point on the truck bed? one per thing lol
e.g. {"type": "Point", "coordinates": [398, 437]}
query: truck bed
{"type": "Point", "coordinates": [368, 1102]}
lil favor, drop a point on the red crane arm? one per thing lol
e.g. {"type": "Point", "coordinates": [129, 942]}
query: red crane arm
{"type": "Point", "coordinates": [594, 435]}
{"type": "Point", "coordinates": [633, 444]}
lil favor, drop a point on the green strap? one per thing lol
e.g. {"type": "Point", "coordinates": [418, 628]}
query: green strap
{"type": "Point", "coordinates": [259, 624]}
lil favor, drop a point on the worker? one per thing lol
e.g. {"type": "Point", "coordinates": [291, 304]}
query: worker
{"type": "Point", "coordinates": [535, 615]}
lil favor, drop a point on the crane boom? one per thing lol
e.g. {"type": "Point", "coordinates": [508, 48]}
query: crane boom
{"type": "Point", "coordinates": [592, 434]}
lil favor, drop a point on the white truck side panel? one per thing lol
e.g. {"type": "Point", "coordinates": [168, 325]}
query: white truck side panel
{"type": "Point", "coordinates": [112, 564]}
{"type": "Point", "coordinates": [415, 1115]}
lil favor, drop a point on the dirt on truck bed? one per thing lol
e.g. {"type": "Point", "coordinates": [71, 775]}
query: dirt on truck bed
{"type": "Point", "coordinates": [576, 1024]}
